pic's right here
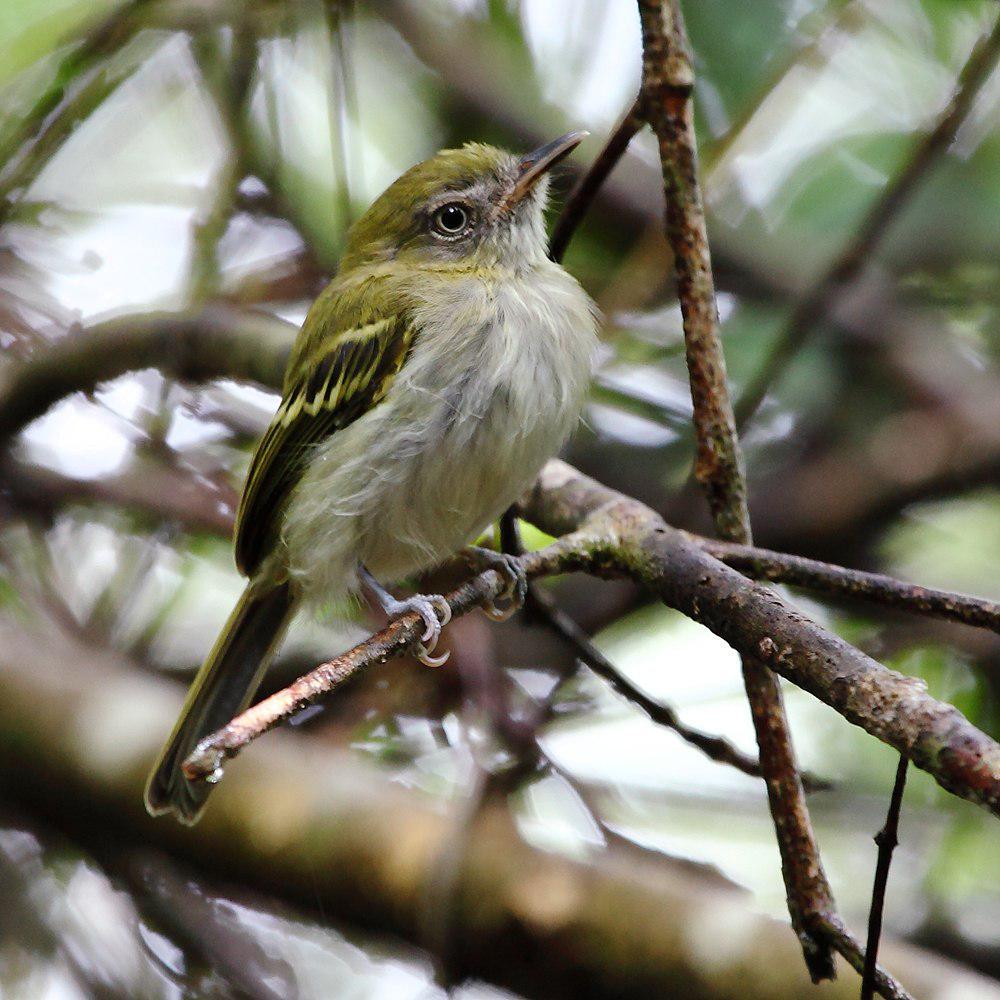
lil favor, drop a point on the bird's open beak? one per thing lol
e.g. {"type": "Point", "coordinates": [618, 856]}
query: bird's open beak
{"type": "Point", "coordinates": [539, 162]}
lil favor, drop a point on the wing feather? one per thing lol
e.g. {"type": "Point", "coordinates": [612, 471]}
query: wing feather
{"type": "Point", "coordinates": [348, 375]}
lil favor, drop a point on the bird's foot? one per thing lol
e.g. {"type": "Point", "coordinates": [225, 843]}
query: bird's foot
{"type": "Point", "coordinates": [434, 611]}
{"type": "Point", "coordinates": [509, 567]}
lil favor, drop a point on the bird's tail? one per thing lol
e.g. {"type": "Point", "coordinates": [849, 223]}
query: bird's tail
{"type": "Point", "coordinates": [224, 686]}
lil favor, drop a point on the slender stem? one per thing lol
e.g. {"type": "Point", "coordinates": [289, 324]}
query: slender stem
{"type": "Point", "coordinates": [846, 944]}
{"type": "Point", "coordinates": [811, 310]}
{"type": "Point", "coordinates": [780, 567]}
{"type": "Point", "coordinates": [581, 197]}
{"type": "Point", "coordinates": [887, 839]}
{"type": "Point", "coordinates": [667, 85]}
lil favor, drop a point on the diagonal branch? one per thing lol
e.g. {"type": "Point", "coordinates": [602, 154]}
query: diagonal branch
{"type": "Point", "coordinates": [396, 638]}
{"type": "Point", "coordinates": [876, 588]}
{"type": "Point", "coordinates": [585, 190]}
{"type": "Point", "coordinates": [716, 748]}
{"type": "Point", "coordinates": [667, 85]}
{"type": "Point", "coordinates": [608, 534]}
{"type": "Point", "coordinates": [814, 307]}
{"type": "Point", "coordinates": [629, 539]}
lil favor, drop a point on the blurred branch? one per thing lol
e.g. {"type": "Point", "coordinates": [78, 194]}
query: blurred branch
{"type": "Point", "coordinates": [206, 929]}
{"type": "Point", "coordinates": [65, 102]}
{"type": "Point", "coordinates": [812, 309]}
{"type": "Point", "coordinates": [715, 748]}
{"type": "Point", "coordinates": [861, 494]}
{"type": "Point", "coordinates": [148, 487]}
{"type": "Point", "coordinates": [324, 827]}
{"type": "Point", "coordinates": [230, 90]}
{"type": "Point", "coordinates": [667, 85]}
{"type": "Point", "coordinates": [836, 21]}
{"type": "Point", "coordinates": [217, 342]}
{"type": "Point", "coordinates": [779, 567]}
{"type": "Point", "coordinates": [887, 839]}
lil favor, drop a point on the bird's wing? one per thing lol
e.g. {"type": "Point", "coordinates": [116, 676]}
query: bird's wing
{"type": "Point", "coordinates": [349, 373]}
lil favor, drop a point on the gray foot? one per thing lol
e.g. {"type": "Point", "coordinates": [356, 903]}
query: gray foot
{"type": "Point", "coordinates": [509, 567]}
{"type": "Point", "coordinates": [434, 611]}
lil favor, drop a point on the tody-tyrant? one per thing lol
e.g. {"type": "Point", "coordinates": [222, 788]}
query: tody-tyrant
{"type": "Point", "coordinates": [432, 378]}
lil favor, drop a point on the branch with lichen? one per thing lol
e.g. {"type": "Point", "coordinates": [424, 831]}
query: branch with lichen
{"type": "Point", "coordinates": [607, 534]}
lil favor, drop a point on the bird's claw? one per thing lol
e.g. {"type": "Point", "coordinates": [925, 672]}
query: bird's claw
{"type": "Point", "coordinates": [435, 612]}
{"type": "Point", "coordinates": [514, 593]}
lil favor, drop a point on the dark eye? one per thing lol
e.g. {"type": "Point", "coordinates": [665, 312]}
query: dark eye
{"type": "Point", "coordinates": [451, 219]}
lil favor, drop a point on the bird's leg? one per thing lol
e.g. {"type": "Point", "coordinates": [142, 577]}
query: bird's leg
{"type": "Point", "coordinates": [430, 607]}
{"type": "Point", "coordinates": [509, 567]}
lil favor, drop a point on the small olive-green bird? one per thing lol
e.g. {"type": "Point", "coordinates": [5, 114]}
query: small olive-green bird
{"type": "Point", "coordinates": [432, 378]}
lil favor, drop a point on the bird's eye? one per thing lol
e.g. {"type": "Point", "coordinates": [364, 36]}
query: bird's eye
{"type": "Point", "coordinates": [451, 220]}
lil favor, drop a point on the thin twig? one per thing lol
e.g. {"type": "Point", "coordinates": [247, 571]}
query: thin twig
{"type": "Point", "coordinates": [585, 190]}
{"type": "Point", "coordinates": [539, 607]}
{"type": "Point", "coordinates": [828, 578]}
{"type": "Point", "coordinates": [398, 636]}
{"type": "Point", "coordinates": [887, 840]}
{"type": "Point", "coordinates": [667, 85]}
{"type": "Point", "coordinates": [716, 748]}
{"type": "Point", "coordinates": [814, 307]}
{"type": "Point", "coordinates": [846, 944]}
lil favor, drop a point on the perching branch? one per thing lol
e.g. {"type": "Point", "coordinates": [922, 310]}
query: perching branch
{"type": "Point", "coordinates": [633, 541]}
{"type": "Point", "coordinates": [607, 534]}
{"type": "Point", "coordinates": [396, 638]}
{"type": "Point", "coordinates": [667, 85]}
{"type": "Point", "coordinates": [813, 308]}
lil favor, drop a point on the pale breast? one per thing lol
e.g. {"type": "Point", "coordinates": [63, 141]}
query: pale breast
{"type": "Point", "coordinates": [493, 388]}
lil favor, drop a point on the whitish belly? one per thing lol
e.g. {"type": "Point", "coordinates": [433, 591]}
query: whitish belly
{"type": "Point", "coordinates": [401, 492]}
{"type": "Point", "coordinates": [463, 431]}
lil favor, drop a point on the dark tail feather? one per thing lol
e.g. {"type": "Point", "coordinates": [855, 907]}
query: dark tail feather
{"type": "Point", "coordinates": [227, 681]}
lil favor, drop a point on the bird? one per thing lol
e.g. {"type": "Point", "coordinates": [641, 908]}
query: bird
{"type": "Point", "coordinates": [446, 361]}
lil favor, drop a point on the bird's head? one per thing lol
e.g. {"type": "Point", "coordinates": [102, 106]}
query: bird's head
{"type": "Point", "coordinates": [477, 205]}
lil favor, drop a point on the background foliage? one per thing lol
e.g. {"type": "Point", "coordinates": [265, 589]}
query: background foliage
{"type": "Point", "coordinates": [160, 154]}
